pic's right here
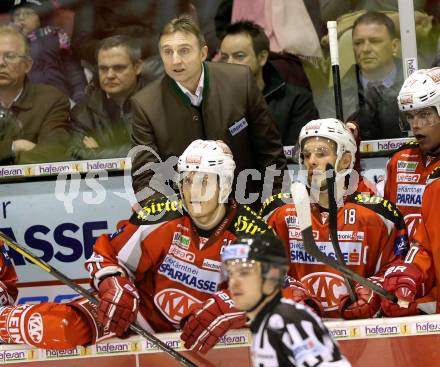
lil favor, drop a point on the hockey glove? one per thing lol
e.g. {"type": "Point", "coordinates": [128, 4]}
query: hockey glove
{"type": "Point", "coordinates": [118, 304]}
{"type": "Point", "coordinates": [5, 297]}
{"type": "Point", "coordinates": [406, 282]}
{"type": "Point", "coordinates": [207, 322]}
{"type": "Point", "coordinates": [366, 306]}
{"type": "Point", "coordinates": [296, 291]}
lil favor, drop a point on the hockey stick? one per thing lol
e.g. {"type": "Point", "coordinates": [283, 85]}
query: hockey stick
{"type": "Point", "coordinates": [334, 57]}
{"type": "Point", "coordinates": [333, 226]}
{"type": "Point", "coordinates": [87, 294]}
{"type": "Point", "coordinates": [302, 205]}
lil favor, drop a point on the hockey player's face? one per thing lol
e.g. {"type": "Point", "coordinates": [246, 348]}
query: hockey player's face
{"type": "Point", "coordinates": [245, 284]}
{"type": "Point", "coordinates": [425, 124]}
{"type": "Point", "coordinates": [316, 153]}
{"type": "Point", "coordinates": [374, 48]}
{"type": "Point", "coordinates": [182, 58]}
{"type": "Point", "coordinates": [200, 193]}
{"type": "Point", "coordinates": [238, 49]}
{"type": "Point", "coordinates": [117, 72]}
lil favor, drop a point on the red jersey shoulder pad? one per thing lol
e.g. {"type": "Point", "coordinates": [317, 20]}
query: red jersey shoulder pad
{"type": "Point", "coordinates": [381, 206]}
{"type": "Point", "coordinates": [158, 209]}
{"type": "Point", "coordinates": [247, 222]}
{"type": "Point", "coordinates": [274, 202]}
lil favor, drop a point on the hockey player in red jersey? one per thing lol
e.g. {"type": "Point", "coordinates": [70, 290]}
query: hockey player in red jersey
{"type": "Point", "coordinates": [8, 280]}
{"type": "Point", "coordinates": [159, 265]}
{"type": "Point", "coordinates": [409, 167]}
{"type": "Point", "coordinates": [420, 271]}
{"type": "Point", "coordinates": [371, 230]}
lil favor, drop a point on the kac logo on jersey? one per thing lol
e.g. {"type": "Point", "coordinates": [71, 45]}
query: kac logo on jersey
{"type": "Point", "coordinates": [406, 166]}
{"type": "Point", "coordinates": [401, 245]}
{"type": "Point", "coordinates": [409, 195]}
{"type": "Point", "coordinates": [328, 287]}
{"type": "Point", "coordinates": [174, 303]}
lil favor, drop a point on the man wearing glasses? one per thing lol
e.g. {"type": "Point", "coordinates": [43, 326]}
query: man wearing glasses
{"type": "Point", "coordinates": [33, 117]}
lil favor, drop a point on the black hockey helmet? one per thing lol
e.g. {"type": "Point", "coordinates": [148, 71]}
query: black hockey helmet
{"type": "Point", "coordinates": [263, 248]}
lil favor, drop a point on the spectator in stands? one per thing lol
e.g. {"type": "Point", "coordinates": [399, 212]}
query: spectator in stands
{"type": "Point", "coordinates": [102, 120]}
{"type": "Point", "coordinates": [53, 62]}
{"type": "Point", "coordinates": [370, 88]}
{"type": "Point", "coordinates": [139, 19]}
{"type": "Point", "coordinates": [291, 106]}
{"type": "Point", "coordinates": [200, 100]}
{"type": "Point", "coordinates": [33, 120]}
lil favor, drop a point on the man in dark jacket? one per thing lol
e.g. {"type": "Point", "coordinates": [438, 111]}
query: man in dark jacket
{"type": "Point", "coordinates": [291, 106]}
{"type": "Point", "coordinates": [102, 120]}
{"type": "Point", "coordinates": [370, 88]}
{"type": "Point", "coordinates": [199, 100]}
{"type": "Point", "coordinates": [33, 117]}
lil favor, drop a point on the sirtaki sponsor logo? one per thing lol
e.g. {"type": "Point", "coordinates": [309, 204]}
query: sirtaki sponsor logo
{"type": "Point", "coordinates": [351, 252]}
{"type": "Point", "coordinates": [406, 166]}
{"type": "Point", "coordinates": [247, 225]}
{"type": "Point", "coordinates": [329, 288]}
{"type": "Point", "coordinates": [189, 275]}
{"type": "Point", "coordinates": [427, 327]}
{"type": "Point", "coordinates": [409, 195]}
{"type": "Point", "coordinates": [181, 253]}
{"type": "Point", "coordinates": [174, 303]}
{"type": "Point", "coordinates": [408, 177]}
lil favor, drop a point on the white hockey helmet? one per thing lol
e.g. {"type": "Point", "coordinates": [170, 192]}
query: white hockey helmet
{"type": "Point", "coordinates": [210, 156]}
{"type": "Point", "coordinates": [334, 130]}
{"type": "Point", "coordinates": [421, 89]}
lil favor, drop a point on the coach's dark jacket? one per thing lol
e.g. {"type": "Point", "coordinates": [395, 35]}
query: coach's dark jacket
{"type": "Point", "coordinates": [165, 120]}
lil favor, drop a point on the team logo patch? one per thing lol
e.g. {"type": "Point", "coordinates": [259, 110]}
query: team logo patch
{"type": "Point", "coordinates": [117, 233]}
{"type": "Point", "coordinates": [174, 303]}
{"type": "Point", "coordinates": [328, 287]}
{"type": "Point", "coordinates": [35, 327]}
{"type": "Point", "coordinates": [406, 166]}
{"type": "Point", "coordinates": [408, 177]}
{"type": "Point", "coordinates": [409, 195]}
{"type": "Point", "coordinates": [182, 254]}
